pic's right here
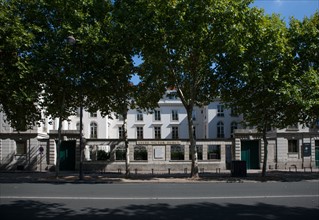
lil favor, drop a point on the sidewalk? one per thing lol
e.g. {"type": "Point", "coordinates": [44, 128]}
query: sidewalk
{"type": "Point", "coordinates": [223, 176]}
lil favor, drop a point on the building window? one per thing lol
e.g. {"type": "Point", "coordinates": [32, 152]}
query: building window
{"type": "Point", "coordinates": [140, 153]}
{"type": "Point", "coordinates": [121, 132]}
{"type": "Point", "coordinates": [194, 115]}
{"type": "Point", "coordinates": [194, 131]}
{"type": "Point", "coordinates": [139, 132]}
{"type": "Point", "coordinates": [199, 152]}
{"type": "Point", "coordinates": [78, 126]}
{"type": "Point", "coordinates": [220, 110]}
{"type": "Point", "coordinates": [157, 132]}
{"type": "Point", "coordinates": [102, 152]}
{"type": "Point", "coordinates": [177, 152]}
{"type": "Point", "coordinates": [233, 126]}
{"type": "Point", "coordinates": [139, 116]}
{"type": "Point", "coordinates": [93, 153]}
{"type": "Point", "coordinates": [213, 152]}
{"type": "Point", "coordinates": [292, 146]}
{"type": "Point", "coordinates": [93, 114]}
{"type": "Point", "coordinates": [220, 130]}
{"type": "Point", "coordinates": [157, 115]}
{"type": "Point", "coordinates": [21, 147]}
{"type": "Point", "coordinates": [174, 132]}
{"type": "Point", "coordinates": [174, 115]}
{"type": "Point", "coordinates": [120, 153]}
{"type": "Point", "coordinates": [93, 130]}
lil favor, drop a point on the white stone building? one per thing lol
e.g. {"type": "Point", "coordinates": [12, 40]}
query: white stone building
{"type": "Point", "coordinates": [158, 142]}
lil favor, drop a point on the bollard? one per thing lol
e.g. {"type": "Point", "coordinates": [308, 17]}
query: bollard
{"type": "Point", "coordinates": [185, 170]}
{"type": "Point", "coordinates": [135, 171]}
{"type": "Point", "coordinates": [152, 171]}
{"type": "Point", "coordinates": [169, 170]}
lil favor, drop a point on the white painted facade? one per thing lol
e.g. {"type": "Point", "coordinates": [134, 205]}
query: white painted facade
{"type": "Point", "coordinates": [158, 133]}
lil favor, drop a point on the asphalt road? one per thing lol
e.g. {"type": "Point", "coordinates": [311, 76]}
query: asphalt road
{"type": "Point", "coordinates": [271, 200]}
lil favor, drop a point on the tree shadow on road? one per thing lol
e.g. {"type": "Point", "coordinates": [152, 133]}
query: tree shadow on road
{"type": "Point", "coordinates": [29, 209]}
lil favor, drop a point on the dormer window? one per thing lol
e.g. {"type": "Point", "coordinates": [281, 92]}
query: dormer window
{"type": "Point", "coordinates": [220, 110]}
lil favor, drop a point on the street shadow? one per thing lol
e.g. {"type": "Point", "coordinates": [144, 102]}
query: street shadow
{"type": "Point", "coordinates": [28, 209]}
{"type": "Point", "coordinates": [278, 176]}
{"type": "Point", "coordinates": [110, 178]}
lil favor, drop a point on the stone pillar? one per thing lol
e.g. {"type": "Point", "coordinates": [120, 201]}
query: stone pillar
{"type": "Point", "coordinates": [187, 152]}
{"type": "Point", "coordinates": [168, 152]}
{"type": "Point", "coordinates": [205, 148]}
{"type": "Point", "coordinates": [223, 153]}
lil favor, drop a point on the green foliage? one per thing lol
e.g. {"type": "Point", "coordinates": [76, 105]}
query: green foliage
{"type": "Point", "coordinates": [181, 43]}
{"type": "Point", "coordinates": [40, 70]}
{"type": "Point", "coordinates": [265, 74]}
{"type": "Point", "coordinates": [304, 39]}
{"type": "Point", "coordinates": [19, 91]}
{"type": "Point", "coordinates": [255, 76]}
{"type": "Point", "coordinates": [120, 154]}
{"type": "Point", "coordinates": [102, 155]}
{"type": "Point", "coordinates": [140, 154]}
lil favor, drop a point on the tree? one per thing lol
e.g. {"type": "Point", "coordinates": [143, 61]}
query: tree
{"type": "Point", "coordinates": [19, 91]}
{"type": "Point", "coordinates": [64, 74]}
{"type": "Point", "coordinates": [179, 42]}
{"type": "Point", "coordinates": [304, 39]}
{"type": "Point", "coordinates": [120, 100]}
{"type": "Point", "coordinates": [256, 77]}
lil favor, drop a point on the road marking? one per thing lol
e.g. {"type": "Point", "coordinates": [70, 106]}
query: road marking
{"type": "Point", "coordinates": [156, 198]}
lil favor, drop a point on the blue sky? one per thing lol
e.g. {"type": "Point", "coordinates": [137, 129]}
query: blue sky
{"type": "Point", "coordinates": [286, 8]}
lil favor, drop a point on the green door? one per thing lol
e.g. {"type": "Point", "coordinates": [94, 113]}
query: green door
{"type": "Point", "coordinates": [67, 155]}
{"type": "Point", "coordinates": [250, 153]}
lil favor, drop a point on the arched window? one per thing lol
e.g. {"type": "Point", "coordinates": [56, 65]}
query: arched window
{"type": "Point", "coordinates": [93, 130]}
{"type": "Point", "coordinates": [233, 126]}
{"type": "Point", "coordinates": [220, 129]}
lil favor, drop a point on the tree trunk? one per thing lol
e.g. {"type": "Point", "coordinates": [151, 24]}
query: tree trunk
{"type": "Point", "coordinates": [127, 150]}
{"type": "Point", "coordinates": [264, 168]}
{"type": "Point", "coordinates": [193, 148]}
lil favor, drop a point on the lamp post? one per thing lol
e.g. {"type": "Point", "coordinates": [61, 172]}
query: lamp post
{"type": "Point", "coordinates": [72, 41]}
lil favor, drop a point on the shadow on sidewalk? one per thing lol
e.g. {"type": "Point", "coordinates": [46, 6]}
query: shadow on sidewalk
{"type": "Point", "coordinates": [67, 177]}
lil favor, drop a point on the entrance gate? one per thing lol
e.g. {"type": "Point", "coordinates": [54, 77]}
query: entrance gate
{"type": "Point", "coordinates": [250, 153]}
{"type": "Point", "coordinates": [67, 155]}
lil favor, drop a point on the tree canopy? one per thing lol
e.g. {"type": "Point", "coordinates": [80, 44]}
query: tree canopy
{"type": "Point", "coordinates": [304, 39]}
{"type": "Point", "coordinates": [19, 91]}
{"type": "Point", "coordinates": [181, 43]}
{"type": "Point", "coordinates": [47, 73]}
{"type": "Point", "coordinates": [257, 78]}
{"type": "Point", "coordinates": [201, 49]}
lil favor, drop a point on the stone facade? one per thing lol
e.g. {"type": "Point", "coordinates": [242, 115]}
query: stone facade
{"type": "Point", "coordinates": [158, 142]}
